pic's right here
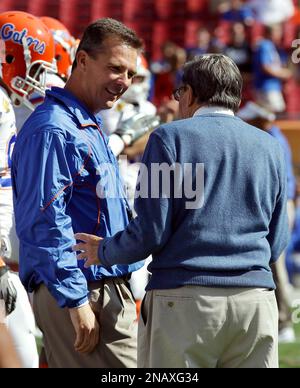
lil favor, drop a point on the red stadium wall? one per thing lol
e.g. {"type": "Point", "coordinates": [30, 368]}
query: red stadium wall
{"type": "Point", "coordinates": [155, 20]}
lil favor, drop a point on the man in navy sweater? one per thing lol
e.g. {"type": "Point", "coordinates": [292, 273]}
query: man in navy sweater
{"type": "Point", "coordinates": [210, 301]}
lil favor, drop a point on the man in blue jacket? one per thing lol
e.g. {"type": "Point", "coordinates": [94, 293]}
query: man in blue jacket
{"type": "Point", "coordinates": [270, 69]}
{"type": "Point", "coordinates": [210, 301]}
{"type": "Point", "coordinates": [63, 176]}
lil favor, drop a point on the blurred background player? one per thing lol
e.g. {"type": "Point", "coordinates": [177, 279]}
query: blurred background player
{"type": "Point", "coordinates": [27, 55]}
{"type": "Point", "coordinates": [261, 118]}
{"type": "Point", "coordinates": [64, 43]}
{"type": "Point", "coordinates": [272, 11]}
{"type": "Point", "coordinates": [19, 316]}
{"type": "Point", "coordinates": [8, 356]}
{"type": "Point", "coordinates": [236, 11]}
{"type": "Point", "coordinates": [270, 69]}
{"type": "Point", "coordinates": [64, 46]}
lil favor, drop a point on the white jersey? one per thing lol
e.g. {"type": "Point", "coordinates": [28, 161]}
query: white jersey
{"type": "Point", "coordinates": [270, 12]}
{"type": "Point", "coordinates": [7, 137]}
{"type": "Point", "coordinates": [21, 320]}
{"type": "Point", "coordinates": [22, 112]}
{"type": "Point", "coordinates": [9, 246]}
{"type": "Point", "coordinates": [122, 111]}
{"type": "Point", "coordinates": [21, 324]}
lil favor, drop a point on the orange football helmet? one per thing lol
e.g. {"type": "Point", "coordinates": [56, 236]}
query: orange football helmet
{"type": "Point", "coordinates": [27, 54]}
{"type": "Point", "coordinates": [64, 43]}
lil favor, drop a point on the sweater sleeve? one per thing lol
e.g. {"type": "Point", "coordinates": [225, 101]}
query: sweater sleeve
{"type": "Point", "coordinates": [150, 230]}
{"type": "Point", "coordinates": [278, 227]}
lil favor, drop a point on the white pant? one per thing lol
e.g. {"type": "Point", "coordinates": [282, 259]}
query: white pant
{"type": "Point", "coordinates": [21, 325]}
{"type": "Point", "coordinates": [9, 243]}
{"type": "Point", "coordinates": [20, 322]}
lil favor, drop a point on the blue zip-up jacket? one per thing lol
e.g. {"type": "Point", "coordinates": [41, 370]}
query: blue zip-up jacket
{"type": "Point", "coordinates": [241, 226]}
{"type": "Point", "coordinates": [61, 168]}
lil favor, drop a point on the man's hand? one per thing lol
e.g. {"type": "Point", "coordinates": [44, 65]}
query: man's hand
{"type": "Point", "coordinates": [89, 248]}
{"type": "Point", "coordinates": [8, 292]}
{"type": "Point", "coordinates": [86, 328]}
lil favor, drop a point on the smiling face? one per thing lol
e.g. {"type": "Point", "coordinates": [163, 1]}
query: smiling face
{"type": "Point", "coordinates": [105, 76]}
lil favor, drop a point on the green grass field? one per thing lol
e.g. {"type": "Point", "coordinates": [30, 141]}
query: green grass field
{"type": "Point", "coordinates": [289, 354]}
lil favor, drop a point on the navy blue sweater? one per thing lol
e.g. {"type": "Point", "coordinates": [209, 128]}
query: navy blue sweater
{"type": "Point", "coordinates": [242, 225]}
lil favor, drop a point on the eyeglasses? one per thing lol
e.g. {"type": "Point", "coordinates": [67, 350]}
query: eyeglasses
{"type": "Point", "coordinates": [177, 92]}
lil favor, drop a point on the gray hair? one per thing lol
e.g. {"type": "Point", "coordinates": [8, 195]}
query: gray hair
{"type": "Point", "coordinates": [96, 33]}
{"type": "Point", "coordinates": [215, 80]}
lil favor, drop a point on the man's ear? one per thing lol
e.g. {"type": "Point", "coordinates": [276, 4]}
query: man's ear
{"type": "Point", "coordinates": [190, 96]}
{"type": "Point", "coordinates": [82, 58]}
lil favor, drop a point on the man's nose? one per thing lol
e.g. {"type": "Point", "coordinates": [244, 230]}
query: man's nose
{"type": "Point", "coordinates": [125, 80]}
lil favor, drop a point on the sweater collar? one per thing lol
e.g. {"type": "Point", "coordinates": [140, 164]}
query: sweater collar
{"type": "Point", "coordinates": [205, 110]}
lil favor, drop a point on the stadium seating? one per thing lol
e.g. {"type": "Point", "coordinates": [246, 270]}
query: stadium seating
{"type": "Point", "coordinates": [155, 20]}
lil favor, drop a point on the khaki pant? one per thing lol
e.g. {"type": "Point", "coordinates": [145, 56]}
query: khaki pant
{"type": "Point", "coordinates": [197, 327]}
{"type": "Point", "coordinates": [114, 307]}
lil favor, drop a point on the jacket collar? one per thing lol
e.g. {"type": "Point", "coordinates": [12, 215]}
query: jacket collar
{"type": "Point", "coordinates": [76, 107]}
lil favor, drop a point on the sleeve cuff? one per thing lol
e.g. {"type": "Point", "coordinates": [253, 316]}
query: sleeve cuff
{"type": "Point", "coordinates": [101, 253]}
{"type": "Point", "coordinates": [78, 303]}
{"type": "Point", "coordinates": [81, 305]}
